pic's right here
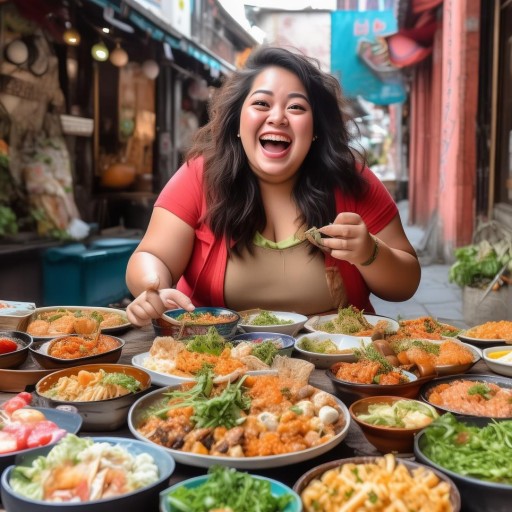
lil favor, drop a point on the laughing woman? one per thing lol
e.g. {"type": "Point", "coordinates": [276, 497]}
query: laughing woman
{"type": "Point", "coordinates": [230, 228]}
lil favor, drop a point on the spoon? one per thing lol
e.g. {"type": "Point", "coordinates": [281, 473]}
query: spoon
{"type": "Point", "coordinates": [170, 320]}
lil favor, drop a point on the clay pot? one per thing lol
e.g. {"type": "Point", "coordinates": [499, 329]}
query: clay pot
{"type": "Point", "coordinates": [118, 175]}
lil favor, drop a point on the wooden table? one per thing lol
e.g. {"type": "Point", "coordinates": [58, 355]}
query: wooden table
{"type": "Point", "coordinates": [355, 444]}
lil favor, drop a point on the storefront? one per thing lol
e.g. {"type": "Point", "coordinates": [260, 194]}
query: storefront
{"type": "Point", "coordinates": [98, 101]}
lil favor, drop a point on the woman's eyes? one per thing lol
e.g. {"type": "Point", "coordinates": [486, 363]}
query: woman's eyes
{"type": "Point", "coordinates": [266, 104]}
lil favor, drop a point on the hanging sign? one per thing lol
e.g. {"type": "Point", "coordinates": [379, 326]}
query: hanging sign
{"type": "Point", "coordinates": [360, 56]}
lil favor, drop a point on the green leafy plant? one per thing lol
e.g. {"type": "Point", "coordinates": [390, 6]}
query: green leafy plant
{"type": "Point", "coordinates": [8, 224]}
{"type": "Point", "coordinates": [477, 264]}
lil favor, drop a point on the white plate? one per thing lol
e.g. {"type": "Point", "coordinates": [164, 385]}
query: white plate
{"type": "Point", "coordinates": [166, 379]}
{"type": "Point", "coordinates": [158, 378]}
{"type": "Point", "coordinates": [314, 324]}
{"type": "Point", "coordinates": [327, 360]}
{"type": "Point", "coordinates": [205, 461]}
{"type": "Point", "coordinates": [290, 329]}
{"type": "Point", "coordinates": [105, 330]}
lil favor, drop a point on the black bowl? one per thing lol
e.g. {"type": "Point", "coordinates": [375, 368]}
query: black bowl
{"type": "Point", "coordinates": [426, 389]}
{"type": "Point", "coordinates": [18, 356]}
{"type": "Point", "coordinates": [477, 495]}
{"type": "Point", "coordinates": [39, 351]}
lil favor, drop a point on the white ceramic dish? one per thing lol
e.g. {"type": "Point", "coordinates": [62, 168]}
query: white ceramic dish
{"type": "Point", "coordinates": [138, 410]}
{"type": "Point", "coordinates": [495, 365]}
{"type": "Point", "coordinates": [105, 330]}
{"type": "Point", "coordinates": [290, 329]}
{"type": "Point", "coordinates": [158, 378]}
{"type": "Point", "coordinates": [327, 360]}
{"type": "Point", "coordinates": [14, 315]}
{"type": "Point", "coordinates": [166, 379]}
{"type": "Point", "coordinates": [314, 324]}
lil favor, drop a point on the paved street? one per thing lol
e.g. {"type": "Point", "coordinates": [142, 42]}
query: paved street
{"type": "Point", "coordinates": [435, 296]}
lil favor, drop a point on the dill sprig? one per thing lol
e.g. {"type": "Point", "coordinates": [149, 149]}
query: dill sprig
{"type": "Point", "coordinates": [370, 353]}
{"type": "Point", "coordinates": [426, 346]}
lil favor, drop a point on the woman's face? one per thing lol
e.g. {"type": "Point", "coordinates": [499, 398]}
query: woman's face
{"type": "Point", "coordinates": [276, 125]}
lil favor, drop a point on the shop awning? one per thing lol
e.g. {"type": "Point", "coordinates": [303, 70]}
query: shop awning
{"type": "Point", "coordinates": [159, 30]}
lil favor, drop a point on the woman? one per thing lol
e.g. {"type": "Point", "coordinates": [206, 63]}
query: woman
{"type": "Point", "coordinates": [229, 227]}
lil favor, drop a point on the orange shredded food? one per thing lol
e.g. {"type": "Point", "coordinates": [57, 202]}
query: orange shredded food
{"type": "Point", "coordinates": [424, 327]}
{"type": "Point", "coordinates": [461, 396]}
{"type": "Point", "coordinates": [191, 362]}
{"type": "Point", "coordinates": [73, 347]}
{"type": "Point", "coordinates": [501, 330]}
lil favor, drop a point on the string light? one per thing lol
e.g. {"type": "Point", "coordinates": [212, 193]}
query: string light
{"type": "Point", "coordinates": [119, 57]}
{"type": "Point", "coordinates": [100, 52]}
{"type": "Point", "coordinates": [71, 36]}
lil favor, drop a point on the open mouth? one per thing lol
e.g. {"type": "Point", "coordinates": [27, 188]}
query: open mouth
{"type": "Point", "coordinates": [275, 143]}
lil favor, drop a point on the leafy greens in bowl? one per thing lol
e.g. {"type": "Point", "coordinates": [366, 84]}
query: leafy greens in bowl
{"type": "Point", "coordinates": [228, 489]}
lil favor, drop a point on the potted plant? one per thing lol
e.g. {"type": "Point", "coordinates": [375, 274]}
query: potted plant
{"type": "Point", "coordinates": [482, 271]}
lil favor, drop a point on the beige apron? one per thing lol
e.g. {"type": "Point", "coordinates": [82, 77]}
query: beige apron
{"type": "Point", "coordinates": [290, 279]}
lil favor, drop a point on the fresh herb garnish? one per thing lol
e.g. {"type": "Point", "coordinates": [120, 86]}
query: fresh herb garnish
{"type": "Point", "coordinates": [210, 411]}
{"type": "Point", "coordinates": [480, 389]}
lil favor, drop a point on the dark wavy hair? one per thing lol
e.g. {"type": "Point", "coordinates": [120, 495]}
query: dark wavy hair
{"type": "Point", "coordinates": [234, 205]}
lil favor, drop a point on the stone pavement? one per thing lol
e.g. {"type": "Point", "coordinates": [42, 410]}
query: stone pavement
{"type": "Point", "coordinates": [435, 296]}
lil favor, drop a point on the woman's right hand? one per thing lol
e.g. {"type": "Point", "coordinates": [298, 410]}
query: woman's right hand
{"type": "Point", "coordinates": [153, 302]}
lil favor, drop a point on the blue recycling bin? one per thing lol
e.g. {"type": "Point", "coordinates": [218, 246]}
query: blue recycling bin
{"type": "Point", "coordinates": [94, 275]}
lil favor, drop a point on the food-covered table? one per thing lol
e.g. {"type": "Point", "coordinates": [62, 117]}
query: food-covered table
{"type": "Point", "coordinates": [140, 340]}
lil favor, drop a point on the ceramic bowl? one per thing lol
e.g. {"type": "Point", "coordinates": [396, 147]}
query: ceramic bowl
{"type": "Point", "coordinates": [226, 328]}
{"type": "Point", "coordinates": [40, 351]}
{"type": "Point", "coordinates": [317, 323]}
{"type": "Point", "coordinates": [427, 388]}
{"type": "Point", "coordinates": [277, 489]}
{"type": "Point", "coordinates": [386, 439]}
{"type": "Point", "coordinates": [19, 356]}
{"type": "Point", "coordinates": [291, 329]}
{"type": "Point", "coordinates": [98, 415]}
{"type": "Point", "coordinates": [286, 342]}
{"type": "Point", "coordinates": [145, 498]}
{"type": "Point", "coordinates": [69, 421]}
{"type": "Point", "coordinates": [494, 359]}
{"type": "Point", "coordinates": [158, 398]}
{"type": "Point", "coordinates": [318, 471]}
{"type": "Point", "coordinates": [14, 315]}
{"type": "Point", "coordinates": [351, 391]}
{"type": "Point", "coordinates": [477, 495]}
{"type": "Point", "coordinates": [346, 344]}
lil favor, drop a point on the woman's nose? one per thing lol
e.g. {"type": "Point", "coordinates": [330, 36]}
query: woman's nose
{"type": "Point", "coordinates": [278, 116]}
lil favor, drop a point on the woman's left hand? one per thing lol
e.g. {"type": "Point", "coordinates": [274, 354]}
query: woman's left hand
{"type": "Point", "coordinates": [349, 239]}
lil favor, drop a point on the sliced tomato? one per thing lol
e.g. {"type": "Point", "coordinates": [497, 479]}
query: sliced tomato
{"type": "Point", "coordinates": [8, 442]}
{"type": "Point", "coordinates": [17, 402]}
{"type": "Point", "coordinates": [43, 433]}
{"type": "Point", "coordinates": [21, 432]}
{"type": "Point", "coordinates": [7, 345]}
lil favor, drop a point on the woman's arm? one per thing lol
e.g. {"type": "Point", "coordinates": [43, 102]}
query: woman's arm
{"type": "Point", "coordinates": [156, 265]}
{"type": "Point", "coordinates": [394, 274]}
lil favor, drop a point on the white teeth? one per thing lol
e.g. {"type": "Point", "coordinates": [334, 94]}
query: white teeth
{"type": "Point", "coordinates": [275, 138]}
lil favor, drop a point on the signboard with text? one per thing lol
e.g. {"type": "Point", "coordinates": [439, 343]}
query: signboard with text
{"type": "Point", "coordinates": [360, 58]}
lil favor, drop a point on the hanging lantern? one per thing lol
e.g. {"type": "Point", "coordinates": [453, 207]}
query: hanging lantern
{"type": "Point", "coordinates": [99, 52]}
{"type": "Point", "coordinates": [71, 36]}
{"type": "Point", "coordinates": [150, 69]}
{"type": "Point", "coordinates": [119, 57]}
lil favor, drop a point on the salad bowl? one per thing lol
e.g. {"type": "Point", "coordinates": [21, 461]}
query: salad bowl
{"type": "Point", "coordinates": [143, 498]}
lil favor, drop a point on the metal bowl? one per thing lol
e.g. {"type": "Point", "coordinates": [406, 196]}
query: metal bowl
{"type": "Point", "coordinates": [40, 352]}
{"type": "Point", "coordinates": [99, 415]}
